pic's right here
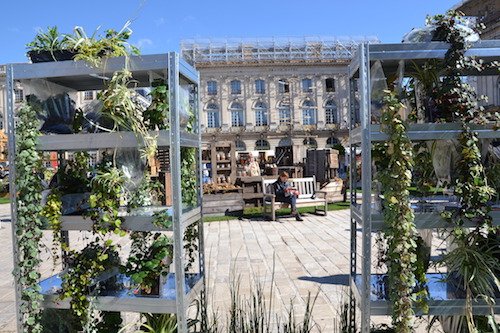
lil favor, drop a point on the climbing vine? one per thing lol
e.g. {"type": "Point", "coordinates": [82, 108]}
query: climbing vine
{"type": "Point", "coordinates": [472, 260]}
{"type": "Point", "coordinates": [394, 165]}
{"type": "Point", "coordinates": [28, 223]}
{"type": "Point", "coordinates": [189, 186]}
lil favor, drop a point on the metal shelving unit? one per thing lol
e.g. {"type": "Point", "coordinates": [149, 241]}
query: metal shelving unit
{"type": "Point", "coordinates": [365, 296]}
{"type": "Point", "coordinates": [180, 288]}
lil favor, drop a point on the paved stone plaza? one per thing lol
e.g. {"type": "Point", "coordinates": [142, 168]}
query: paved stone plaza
{"type": "Point", "coordinates": [309, 257]}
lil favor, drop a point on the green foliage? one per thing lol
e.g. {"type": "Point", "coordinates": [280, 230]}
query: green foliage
{"type": "Point", "coordinates": [50, 40]}
{"type": "Point", "coordinates": [191, 237]}
{"type": "Point", "coordinates": [156, 116]}
{"type": "Point", "coordinates": [82, 273]}
{"type": "Point", "coordinates": [92, 49]}
{"type": "Point", "coordinates": [106, 192]}
{"type": "Point", "coordinates": [395, 164]}
{"type": "Point", "coordinates": [189, 177]}
{"type": "Point", "coordinates": [147, 259]}
{"type": "Point", "coordinates": [145, 193]}
{"type": "Point", "coordinates": [423, 170]}
{"type": "Point", "coordinates": [120, 106]}
{"type": "Point", "coordinates": [159, 323]}
{"type": "Point", "coordinates": [73, 175]}
{"type": "Point", "coordinates": [28, 223]}
{"type": "Point", "coordinates": [52, 211]}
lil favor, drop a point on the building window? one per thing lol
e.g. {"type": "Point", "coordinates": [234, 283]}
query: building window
{"type": "Point", "coordinates": [332, 142]}
{"type": "Point", "coordinates": [283, 86]}
{"type": "Point", "coordinates": [240, 145]}
{"type": "Point", "coordinates": [310, 143]}
{"type": "Point", "coordinates": [88, 95]}
{"type": "Point", "coordinates": [260, 114]}
{"type": "Point", "coordinates": [331, 112]}
{"type": "Point", "coordinates": [235, 87]}
{"type": "Point", "coordinates": [306, 85]}
{"type": "Point", "coordinates": [262, 145]}
{"type": "Point", "coordinates": [212, 88]}
{"type": "Point", "coordinates": [308, 113]}
{"type": "Point", "coordinates": [260, 86]}
{"type": "Point", "coordinates": [213, 120]}
{"type": "Point", "coordinates": [284, 113]}
{"type": "Point", "coordinates": [236, 114]}
{"type": "Point", "coordinates": [18, 95]}
{"type": "Point", "coordinates": [330, 84]}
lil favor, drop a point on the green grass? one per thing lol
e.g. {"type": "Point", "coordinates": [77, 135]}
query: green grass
{"type": "Point", "coordinates": [4, 200]}
{"type": "Point", "coordinates": [256, 212]}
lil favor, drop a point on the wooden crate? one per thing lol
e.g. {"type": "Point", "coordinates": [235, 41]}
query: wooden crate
{"type": "Point", "coordinates": [223, 203]}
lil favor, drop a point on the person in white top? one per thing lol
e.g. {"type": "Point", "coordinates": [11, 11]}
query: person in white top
{"type": "Point", "coordinates": [253, 168]}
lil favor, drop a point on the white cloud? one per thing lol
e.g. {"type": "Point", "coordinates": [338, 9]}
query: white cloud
{"type": "Point", "coordinates": [160, 21]}
{"type": "Point", "coordinates": [144, 42]}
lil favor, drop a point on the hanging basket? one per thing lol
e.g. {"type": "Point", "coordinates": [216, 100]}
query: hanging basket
{"type": "Point", "coordinates": [48, 56]}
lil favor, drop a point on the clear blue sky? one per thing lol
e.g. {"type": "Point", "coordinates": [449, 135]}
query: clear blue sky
{"type": "Point", "coordinates": [159, 25]}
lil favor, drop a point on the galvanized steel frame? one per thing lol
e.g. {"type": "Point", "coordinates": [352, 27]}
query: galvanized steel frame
{"type": "Point", "coordinates": [175, 68]}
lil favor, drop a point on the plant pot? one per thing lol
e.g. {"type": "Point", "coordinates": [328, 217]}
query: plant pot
{"type": "Point", "coordinates": [155, 289]}
{"type": "Point", "coordinates": [47, 56]}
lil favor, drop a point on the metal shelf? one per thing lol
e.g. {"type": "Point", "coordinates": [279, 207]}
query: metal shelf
{"type": "Point", "coordinates": [79, 75]}
{"type": "Point", "coordinates": [391, 55]}
{"type": "Point", "coordinates": [428, 131]}
{"type": "Point", "coordinates": [444, 298]}
{"type": "Point", "coordinates": [125, 299]}
{"type": "Point", "coordinates": [95, 141]}
{"type": "Point", "coordinates": [363, 133]}
{"type": "Point", "coordinates": [133, 222]}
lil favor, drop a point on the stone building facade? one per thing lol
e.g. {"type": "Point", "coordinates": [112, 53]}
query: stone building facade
{"type": "Point", "coordinates": [267, 96]}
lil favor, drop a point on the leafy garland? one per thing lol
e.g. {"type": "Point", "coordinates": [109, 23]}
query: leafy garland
{"type": "Point", "coordinates": [395, 165]}
{"type": "Point", "coordinates": [473, 260]}
{"type": "Point", "coordinates": [28, 223]}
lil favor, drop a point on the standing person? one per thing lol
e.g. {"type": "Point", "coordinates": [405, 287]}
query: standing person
{"type": "Point", "coordinates": [253, 167]}
{"type": "Point", "coordinates": [286, 193]}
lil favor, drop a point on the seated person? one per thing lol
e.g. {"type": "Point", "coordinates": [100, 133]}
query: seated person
{"type": "Point", "coordinates": [286, 193]}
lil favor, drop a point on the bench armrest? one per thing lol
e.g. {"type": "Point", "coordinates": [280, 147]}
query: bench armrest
{"type": "Point", "coordinates": [266, 195]}
{"type": "Point", "coordinates": [323, 193]}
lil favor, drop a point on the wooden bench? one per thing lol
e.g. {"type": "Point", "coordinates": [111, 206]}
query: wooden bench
{"type": "Point", "coordinates": [309, 196]}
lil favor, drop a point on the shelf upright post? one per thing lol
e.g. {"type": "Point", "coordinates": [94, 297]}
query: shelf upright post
{"type": "Point", "coordinates": [366, 180]}
{"type": "Point", "coordinates": [201, 232]}
{"type": "Point", "coordinates": [11, 131]}
{"type": "Point", "coordinates": [175, 155]}
{"type": "Point", "coordinates": [353, 194]}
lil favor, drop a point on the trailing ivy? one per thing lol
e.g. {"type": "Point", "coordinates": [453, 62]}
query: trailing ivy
{"type": "Point", "coordinates": [394, 165]}
{"type": "Point", "coordinates": [190, 188]}
{"type": "Point", "coordinates": [28, 222]}
{"type": "Point", "coordinates": [83, 270]}
{"type": "Point", "coordinates": [471, 262]}
{"type": "Point", "coordinates": [106, 192]}
{"type": "Point", "coordinates": [52, 211]}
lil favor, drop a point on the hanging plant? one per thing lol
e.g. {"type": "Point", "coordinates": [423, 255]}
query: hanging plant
{"type": "Point", "coordinates": [147, 261]}
{"type": "Point", "coordinates": [394, 165]}
{"type": "Point", "coordinates": [156, 116]}
{"type": "Point", "coordinates": [28, 223]}
{"type": "Point", "coordinates": [83, 270]}
{"type": "Point", "coordinates": [106, 192]}
{"type": "Point", "coordinates": [52, 211]}
{"type": "Point", "coordinates": [120, 106]}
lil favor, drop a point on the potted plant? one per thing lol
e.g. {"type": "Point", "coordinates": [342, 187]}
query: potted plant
{"type": "Point", "coordinates": [50, 45]}
{"type": "Point", "coordinates": [149, 261]}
